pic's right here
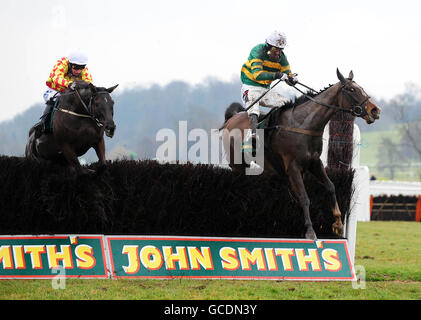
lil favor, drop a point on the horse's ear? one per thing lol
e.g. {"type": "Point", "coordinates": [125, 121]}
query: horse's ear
{"type": "Point", "coordinates": [92, 87]}
{"type": "Point", "coordinates": [351, 75]}
{"type": "Point", "coordinates": [340, 76]}
{"type": "Point", "coordinates": [112, 88]}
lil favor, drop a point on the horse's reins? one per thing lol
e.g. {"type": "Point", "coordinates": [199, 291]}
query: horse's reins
{"type": "Point", "coordinates": [87, 108]}
{"type": "Point", "coordinates": [357, 110]}
{"type": "Point", "coordinates": [303, 131]}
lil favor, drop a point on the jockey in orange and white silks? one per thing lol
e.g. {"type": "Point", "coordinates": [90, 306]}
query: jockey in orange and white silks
{"type": "Point", "coordinates": [266, 63]}
{"type": "Point", "coordinates": [64, 75]}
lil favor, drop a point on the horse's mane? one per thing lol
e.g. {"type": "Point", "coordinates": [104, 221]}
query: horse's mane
{"type": "Point", "coordinates": [82, 87]}
{"type": "Point", "coordinates": [82, 84]}
{"type": "Point", "coordinates": [68, 98]}
{"type": "Point", "coordinates": [85, 85]}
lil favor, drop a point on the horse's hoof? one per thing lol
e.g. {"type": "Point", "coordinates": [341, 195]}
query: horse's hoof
{"type": "Point", "coordinates": [311, 235]}
{"type": "Point", "coordinates": [338, 228]}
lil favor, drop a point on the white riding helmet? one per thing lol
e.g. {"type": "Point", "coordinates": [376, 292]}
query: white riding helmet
{"type": "Point", "coordinates": [277, 39]}
{"type": "Point", "coordinates": [78, 57]}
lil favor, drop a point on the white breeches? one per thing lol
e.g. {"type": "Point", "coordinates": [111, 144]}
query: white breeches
{"type": "Point", "coordinates": [272, 99]}
{"type": "Point", "coordinates": [50, 93]}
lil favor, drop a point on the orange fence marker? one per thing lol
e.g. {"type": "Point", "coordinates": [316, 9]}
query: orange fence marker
{"type": "Point", "coordinates": [418, 210]}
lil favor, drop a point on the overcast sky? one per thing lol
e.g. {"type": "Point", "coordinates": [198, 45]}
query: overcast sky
{"type": "Point", "coordinates": [146, 42]}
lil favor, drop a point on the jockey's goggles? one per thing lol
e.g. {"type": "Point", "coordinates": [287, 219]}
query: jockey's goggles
{"type": "Point", "coordinates": [78, 66]}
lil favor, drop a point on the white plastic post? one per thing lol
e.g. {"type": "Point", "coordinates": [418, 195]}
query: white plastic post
{"type": "Point", "coordinates": [360, 201]}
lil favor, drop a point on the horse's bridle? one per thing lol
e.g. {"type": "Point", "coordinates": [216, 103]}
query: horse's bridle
{"type": "Point", "coordinates": [87, 108]}
{"type": "Point", "coordinates": [360, 109]}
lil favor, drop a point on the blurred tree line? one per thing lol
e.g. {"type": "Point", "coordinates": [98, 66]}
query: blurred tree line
{"type": "Point", "coordinates": [403, 113]}
{"type": "Point", "coordinates": [141, 112]}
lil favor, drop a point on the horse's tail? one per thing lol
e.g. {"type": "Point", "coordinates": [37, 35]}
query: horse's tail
{"type": "Point", "coordinates": [30, 150]}
{"type": "Point", "coordinates": [233, 109]}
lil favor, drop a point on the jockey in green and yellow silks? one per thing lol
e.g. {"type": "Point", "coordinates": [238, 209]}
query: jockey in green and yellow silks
{"type": "Point", "coordinates": [266, 63]}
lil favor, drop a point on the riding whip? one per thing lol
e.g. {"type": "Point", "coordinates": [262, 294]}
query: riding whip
{"type": "Point", "coordinates": [266, 92]}
{"type": "Point", "coordinates": [257, 100]}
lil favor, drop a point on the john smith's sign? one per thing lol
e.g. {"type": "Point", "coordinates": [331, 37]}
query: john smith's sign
{"type": "Point", "coordinates": [228, 258]}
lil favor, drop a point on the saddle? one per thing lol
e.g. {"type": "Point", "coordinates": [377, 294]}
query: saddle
{"type": "Point", "coordinates": [49, 120]}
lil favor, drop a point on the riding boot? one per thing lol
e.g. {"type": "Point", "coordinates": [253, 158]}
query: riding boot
{"type": "Point", "coordinates": [254, 119]}
{"type": "Point", "coordinates": [249, 144]}
{"type": "Point", "coordinates": [42, 126]}
{"type": "Point", "coordinates": [253, 124]}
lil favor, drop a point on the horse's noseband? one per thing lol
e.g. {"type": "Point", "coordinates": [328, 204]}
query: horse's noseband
{"type": "Point", "coordinates": [358, 111]}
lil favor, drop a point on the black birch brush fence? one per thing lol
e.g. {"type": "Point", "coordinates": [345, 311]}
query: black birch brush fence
{"type": "Point", "coordinates": [149, 198]}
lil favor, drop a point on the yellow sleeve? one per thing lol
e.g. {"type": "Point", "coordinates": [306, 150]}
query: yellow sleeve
{"type": "Point", "coordinates": [86, 76]}
{"type": "Point", "coordinates": [58, 73]}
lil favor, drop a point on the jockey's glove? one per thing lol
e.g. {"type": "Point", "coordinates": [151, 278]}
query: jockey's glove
{"type": "Point", "coordinates": [292, 80]}
{"type": "Point", "coordinates": [281, 75]}
{"type": "Point", "coordinates": [73, 86]}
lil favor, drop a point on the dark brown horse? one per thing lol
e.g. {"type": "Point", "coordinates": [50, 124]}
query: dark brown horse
{"type": "Point", "coordinates": [293, 139]}
{"type": "Point", "coordinates": [79, 122]}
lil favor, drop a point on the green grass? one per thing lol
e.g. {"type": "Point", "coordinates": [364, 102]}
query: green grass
{"type": "Point", "coordinates": [207, 290]}
{"type": "Point", "coordinates": [389, 250]}
{"type": "Point", "coordinates": [390, 253]}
